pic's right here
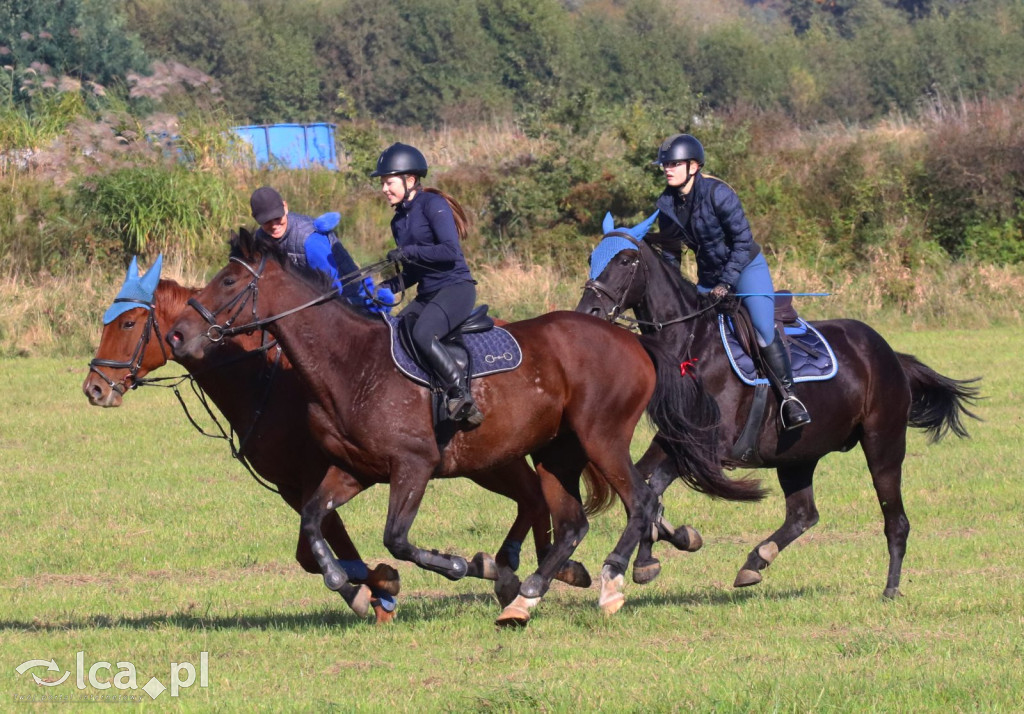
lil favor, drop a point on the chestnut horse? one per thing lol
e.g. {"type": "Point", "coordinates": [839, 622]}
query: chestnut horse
{"type": "Point", "coordinates": [575, 400]}
{"type": "Point", "coordinates": [875, 395]}
{"type": "Point", "coordinates": [255, 387]}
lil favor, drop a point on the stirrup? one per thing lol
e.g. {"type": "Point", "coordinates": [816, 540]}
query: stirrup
{"type": "Point", "coordinates": [463, 408]}
{"type": "Point", "coordinates": [802, 418]}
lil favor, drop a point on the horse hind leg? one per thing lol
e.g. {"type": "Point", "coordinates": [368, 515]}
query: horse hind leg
{"type": "Point", "coordinates": [801, 515]}
{"type": "Point", "coordinates": [885, 461]}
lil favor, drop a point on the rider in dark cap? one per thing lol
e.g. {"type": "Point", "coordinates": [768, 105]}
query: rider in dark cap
{"type": "Point", "coordinates": [311, 242]}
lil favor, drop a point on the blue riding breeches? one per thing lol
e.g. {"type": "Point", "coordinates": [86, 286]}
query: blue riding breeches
{"type": "Point", "coordinates": [756, 281]}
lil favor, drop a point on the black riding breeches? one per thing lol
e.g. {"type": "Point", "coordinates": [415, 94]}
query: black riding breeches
{"type": "Point", "coordinates": [439, 313]}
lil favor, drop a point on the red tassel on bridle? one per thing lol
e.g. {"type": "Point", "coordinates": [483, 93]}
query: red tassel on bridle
{"type": "Point", "coordinates": [684, 366]}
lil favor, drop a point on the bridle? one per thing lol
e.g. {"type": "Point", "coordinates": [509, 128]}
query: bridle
{"type": "Point", "coordinates": [217, 332]}
{"type": "Point", "coordinates": [134, 363]}
{"type": "Point", "coordinates": [614, 314]}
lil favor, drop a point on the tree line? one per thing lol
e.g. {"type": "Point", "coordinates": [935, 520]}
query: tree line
{"type": "Point", "coordinates": [408, 62]}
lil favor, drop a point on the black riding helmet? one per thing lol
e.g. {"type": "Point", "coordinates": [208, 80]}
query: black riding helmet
{"type": "Point", "coordinates": [400, 159]}
{"type": "Point", "coordinates": [680, 147]}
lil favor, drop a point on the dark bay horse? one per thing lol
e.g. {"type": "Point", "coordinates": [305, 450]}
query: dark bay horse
{"type": "Point", "coordinates": [259, 393]}
{"type": "Point", "coordinates": [567, 405]}
{"type": "Point", "coordinates": [875, 396]}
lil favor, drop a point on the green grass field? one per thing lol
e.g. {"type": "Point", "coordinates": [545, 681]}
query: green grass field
{"type": "Point", "coordinates": [132, 539]}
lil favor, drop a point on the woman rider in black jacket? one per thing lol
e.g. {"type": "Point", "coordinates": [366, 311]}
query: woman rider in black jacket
{"type": "Point", "coordinates": [427, 228]}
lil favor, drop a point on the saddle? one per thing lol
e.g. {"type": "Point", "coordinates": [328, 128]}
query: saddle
{"type": "Point", "coordinates": [811, 356]}
{"type": "Point", "coordinates": [810, 353]}
{"type": "Point", "coordinates": [478, 347]}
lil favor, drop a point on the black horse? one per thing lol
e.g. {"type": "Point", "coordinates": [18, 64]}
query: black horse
{"type": "Point", "coordinates": [872, 399]}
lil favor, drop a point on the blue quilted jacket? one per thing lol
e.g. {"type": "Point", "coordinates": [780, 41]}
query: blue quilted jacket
{"type": "Point", "coordinates": [715, 229]}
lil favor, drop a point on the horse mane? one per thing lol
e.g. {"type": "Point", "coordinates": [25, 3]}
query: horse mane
{"type": "Point", "coordinates": [681, 284]}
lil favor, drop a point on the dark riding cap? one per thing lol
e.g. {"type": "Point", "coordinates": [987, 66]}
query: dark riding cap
{"type": "Point", "coordinates": [680, 147]}
{"type": "Point", "coordinates": [401, 159]}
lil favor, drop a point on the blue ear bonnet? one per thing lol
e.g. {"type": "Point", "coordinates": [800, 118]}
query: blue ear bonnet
{"type": "Point", "coordinates": [611, 246]}
{"type": "Point", "coordinates": [136, 289]}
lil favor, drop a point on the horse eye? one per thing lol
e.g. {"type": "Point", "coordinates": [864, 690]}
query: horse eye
{"type": "Point", "coordinates": [229, 281]}
{"type": "Point", "coordinates": [127, 324]}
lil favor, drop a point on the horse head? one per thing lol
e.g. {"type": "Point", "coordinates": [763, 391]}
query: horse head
{"type": "Point", "coordinates": [617, 270]}
{"type": "Point", "coordinates": [127, 352]}
{"type": "Point", "coordinates": [230, 304]}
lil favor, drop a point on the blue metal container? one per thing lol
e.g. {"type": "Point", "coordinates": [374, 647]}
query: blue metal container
{"type": "Point", "coordinates": [291, 146]}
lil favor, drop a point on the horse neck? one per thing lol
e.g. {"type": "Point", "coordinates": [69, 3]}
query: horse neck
{"type": "Point", "coordinates": [668, 297]}
{"type": "Point", "coordinates": [322, 340]}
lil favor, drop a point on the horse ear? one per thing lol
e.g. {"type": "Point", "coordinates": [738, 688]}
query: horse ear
{"type": "Point", "coordinates": [608, 225]}
{"type": "Point", "coordinates": [133, 270]}
{"type": "Point", "coordinates": [152, 277]}
{"type": "Point", "coordinates": [641, 230]}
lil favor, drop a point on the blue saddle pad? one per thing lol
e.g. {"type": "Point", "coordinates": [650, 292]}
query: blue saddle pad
{"type": "Point", "coordinates": [816, 364]}
{"type": "Point", "coordinates": [490, 352]}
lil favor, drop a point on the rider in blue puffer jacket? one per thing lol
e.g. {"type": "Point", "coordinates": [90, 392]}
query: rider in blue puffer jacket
{"type": "Point", "coordinates": [704, 214]}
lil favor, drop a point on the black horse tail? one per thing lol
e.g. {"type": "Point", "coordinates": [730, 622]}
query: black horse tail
{"type": "Point", "coordinates": [938, 403]}
{"type": "Point", "coordinates": [687, 418]}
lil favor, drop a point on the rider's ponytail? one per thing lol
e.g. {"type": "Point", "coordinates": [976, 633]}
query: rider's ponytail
{"type": "Point", "coordinates": [461, 222]}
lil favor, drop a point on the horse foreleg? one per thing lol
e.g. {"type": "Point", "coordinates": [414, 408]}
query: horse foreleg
{"type": "Point", "coordinates": [407, 487]}
{"type": "Point", "coordinates": [659, 471]}
{"type": "Point", "coordinates": [801, 514]}
{"type": "Point", "coordinates": [559, 466]}
{"type": "Point", "coordinates": [640, 504]}
{"type": "Point", "coordinates": [336, 488]}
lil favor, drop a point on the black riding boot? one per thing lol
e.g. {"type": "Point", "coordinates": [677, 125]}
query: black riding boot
{"type": "Point", "coordinates": [792, 411]}
{"type": "Point", "coordinates": [458, 398]}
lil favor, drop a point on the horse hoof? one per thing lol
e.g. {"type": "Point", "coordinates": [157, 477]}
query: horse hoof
{"type": "Point", "coordinates": [506, 587]}
{"type": "Point", "coordinates": [385, 578]}
{"type": "Point", "coordinates": [382, 616]}
{"type": "Point", "coordinates": [694, 542]}
{"type": "Point", "coordinates": [575, 574]}
{"type": "Point", "coordinates": [516, 613]}
{"type": "Point", "coordinates": [892, 593]}
{"type": "Point", "coordinates": [359, 600]}
{"type": "Point", "coordinates": [483, 566]}
{"type": "Point", "coordinates": [643, 574]}
{"type": "Point", "coordinates": [612, 604]}
{"type": "Point", "coordinates": [747, 577]}
{"type": "Point", "coordinates": [612, 599]}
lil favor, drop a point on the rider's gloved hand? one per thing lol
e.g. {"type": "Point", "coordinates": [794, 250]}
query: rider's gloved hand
{"type": "Point", "coordinates": [720, 291]}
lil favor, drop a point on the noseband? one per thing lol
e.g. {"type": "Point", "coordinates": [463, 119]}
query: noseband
{"type": "Point", "coordinates": [134, 363]}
